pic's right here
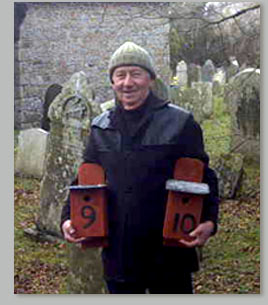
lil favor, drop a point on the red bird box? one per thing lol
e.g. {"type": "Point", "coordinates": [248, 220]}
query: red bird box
{"type": "Point", "coordinates": [185, 201]}
{"type": "Point", "coordinates": [89, 206]}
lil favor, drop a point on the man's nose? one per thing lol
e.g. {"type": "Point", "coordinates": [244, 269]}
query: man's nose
{"type": "Point", "coordinates": [128, 81]}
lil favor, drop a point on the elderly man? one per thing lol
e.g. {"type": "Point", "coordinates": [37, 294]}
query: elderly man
{"type": "Point", "coordinates": [137, 143]}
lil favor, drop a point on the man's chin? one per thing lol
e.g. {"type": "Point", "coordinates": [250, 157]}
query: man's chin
{"type": "Point", "coordinates": [129, 105]}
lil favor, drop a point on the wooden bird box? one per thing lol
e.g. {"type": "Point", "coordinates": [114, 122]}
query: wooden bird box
{"type": "Point", "coordinates": [185, 201]}
{"type": "Point", "coordinates": [89, 206]}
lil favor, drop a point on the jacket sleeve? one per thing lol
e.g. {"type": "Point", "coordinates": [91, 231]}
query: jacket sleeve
{"type": "Point", "coordinates": [193, 146]}
{"type": "Point", "coordinates": [89, 156]}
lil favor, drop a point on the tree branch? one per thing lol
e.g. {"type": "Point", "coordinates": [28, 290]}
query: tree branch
{"type": "Point", "coordinates": [243, 11]}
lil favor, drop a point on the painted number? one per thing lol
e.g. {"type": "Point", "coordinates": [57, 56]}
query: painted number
{"type": "Point", "coordinates": [187, 223]}
{"type": "Point", "coordinates": [88, 213]}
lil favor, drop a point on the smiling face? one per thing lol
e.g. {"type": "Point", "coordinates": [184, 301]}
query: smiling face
{"type": "Point", "coordinates": [131, 85]}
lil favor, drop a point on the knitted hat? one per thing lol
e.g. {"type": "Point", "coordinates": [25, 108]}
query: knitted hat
{"type": "Point", "coordinates": [131, 54]}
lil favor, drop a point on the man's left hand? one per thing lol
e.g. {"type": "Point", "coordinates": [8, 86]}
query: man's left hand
{"type": "Point", "coordinates": [201, 233]}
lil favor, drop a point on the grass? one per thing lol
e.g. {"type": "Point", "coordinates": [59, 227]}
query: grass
{"type": "Point", "coordinates": [232, 258]}
{"type": "Point", "coordinates": [39, 267]}
{"type": "Point", "coordinates": [217, 130]}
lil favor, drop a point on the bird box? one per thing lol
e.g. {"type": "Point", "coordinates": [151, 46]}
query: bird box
{"type": "Point", "coordinates": [89, 206]}
{"type": "Point", "coordinates": [185, 201]}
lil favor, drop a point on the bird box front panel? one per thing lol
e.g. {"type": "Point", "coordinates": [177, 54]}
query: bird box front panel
{"type": "Point", "coordinates": [183, 214]}
{"type": "Point", "coordinates": [88, 212]}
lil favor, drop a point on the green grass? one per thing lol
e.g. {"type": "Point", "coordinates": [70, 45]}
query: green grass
{"type": "Point", "coordinates": [232, 258]}
{"type": "Point", "coordinates": [39, 267]}
{"type": "Point", "coordinates": [217, 130]}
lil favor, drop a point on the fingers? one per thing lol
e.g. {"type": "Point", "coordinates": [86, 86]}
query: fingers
{"type": "Point", "coordinates": [70, 233]}
{"type": "Point", "coordinates": [189, 244]}
{"type": "Point", "coordinates": [201, 235]}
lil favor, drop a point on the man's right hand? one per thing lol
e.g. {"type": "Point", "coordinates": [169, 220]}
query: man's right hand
{"type": "Point", "coordinates": [70, 233]}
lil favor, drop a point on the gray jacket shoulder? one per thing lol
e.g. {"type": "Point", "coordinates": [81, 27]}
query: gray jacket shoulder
{"type": "Point", "coordinates": [173, 112]}
{"type": "Point", "coordinates": [178, 110]}
{"type": "Point", "coordinates": [102, 120]}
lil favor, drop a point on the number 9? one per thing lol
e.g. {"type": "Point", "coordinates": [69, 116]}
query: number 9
{"type": "Point", "coordinates": [89, 213]}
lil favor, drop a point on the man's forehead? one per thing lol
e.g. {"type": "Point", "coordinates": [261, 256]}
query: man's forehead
{"type": "Point", "coordinates": [128, 69]}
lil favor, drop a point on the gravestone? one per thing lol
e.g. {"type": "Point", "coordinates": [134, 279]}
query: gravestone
{"type": "Point", "coordinates": [204, 103]}
{"type": "Point", "coordinates": [70, 116]}
{"type": "Point", "coordinates": [208, 71]}
{"type": "Point", "coordinates": [181, 74]}
{"type": "Point", "coordinates": [242, 96]}
{"type": "Point", "coordinates": [197, 99]}
{"type": "Point", "coordinates": [219, 80]}
{"type": "Point", "coordinates": [232, 68]}
{"type": "Point", "coordinates": [194, 74]}
{"type": "Point", "coordinates": [220, 76]}
{"type": "Point", "coordinates": [31, 152]}
{"type": "Point", "coordinates": [229, 170]}
{"type": "Point", "coordinates": [107, 105]}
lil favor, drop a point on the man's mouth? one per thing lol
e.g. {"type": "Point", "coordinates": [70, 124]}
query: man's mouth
{"type": "Point", "coordinates": [129, 92]}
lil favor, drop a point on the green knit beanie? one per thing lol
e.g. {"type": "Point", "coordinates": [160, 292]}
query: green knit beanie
{"type": "Point", "coordinates": [130, 54]}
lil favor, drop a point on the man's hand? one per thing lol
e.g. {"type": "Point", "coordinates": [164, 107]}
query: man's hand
{"type": "Point", "coordinates": [69, 232]}
{"type": "Point", "coordinates": [201, 233]}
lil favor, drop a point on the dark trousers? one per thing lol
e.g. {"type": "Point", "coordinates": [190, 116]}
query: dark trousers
{"type": "Point", "coordinates": [181, 285]}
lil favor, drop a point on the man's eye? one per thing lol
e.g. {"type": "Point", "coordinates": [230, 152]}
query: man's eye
{"type": "Point", "coordinates": [136, 74]}
{"type": "Point", "coordinates": [120, 76]}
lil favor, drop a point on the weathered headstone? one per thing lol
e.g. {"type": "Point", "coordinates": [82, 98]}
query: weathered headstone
{"type": "Point", "coordinates": [181, 74]}
{"type": "Point", "coordinates": [219, 80]}
{"type": "Point", "coordinates": [204, 104]}
{"type": "Point", "coordinates": [184, 97]}
{"type": "Point", "coordinates": [208, 71]}
{"type": "Point", "coordinates": [194, 74]}
{"type": "Point", "coordinates": [31, 152]}
{"type": "Point", "coordinates": [70, 117]}
{"type": "Point", "coordinates": [220, 76]}
{"type": "Point", "coordinates": [242, 96]}
{"type": "Point", "coordinates": [197, 99]}
{"type": "Point", "coordinates": [229, 169]}
{"type": "Point", "coordinates": [232, 68]}
{"type": "Point", "coordinates": [107, 105]}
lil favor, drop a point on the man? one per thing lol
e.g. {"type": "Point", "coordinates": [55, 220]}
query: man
{"type": "Point", "coordinates": [137, 143]}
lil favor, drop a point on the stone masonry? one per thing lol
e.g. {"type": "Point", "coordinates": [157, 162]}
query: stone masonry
{"type": "Point", "coordinates": [57, 39]}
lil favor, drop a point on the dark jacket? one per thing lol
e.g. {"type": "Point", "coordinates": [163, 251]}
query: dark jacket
{"type": "Point", "coordinates": [138, 151]}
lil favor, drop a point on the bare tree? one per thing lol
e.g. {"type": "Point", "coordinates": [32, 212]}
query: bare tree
{"type": "Point", "coordinates": [215, 30]}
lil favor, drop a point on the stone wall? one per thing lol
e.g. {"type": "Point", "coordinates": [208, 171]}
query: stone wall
{"type": "Point", "coordinates": [59, 39]}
